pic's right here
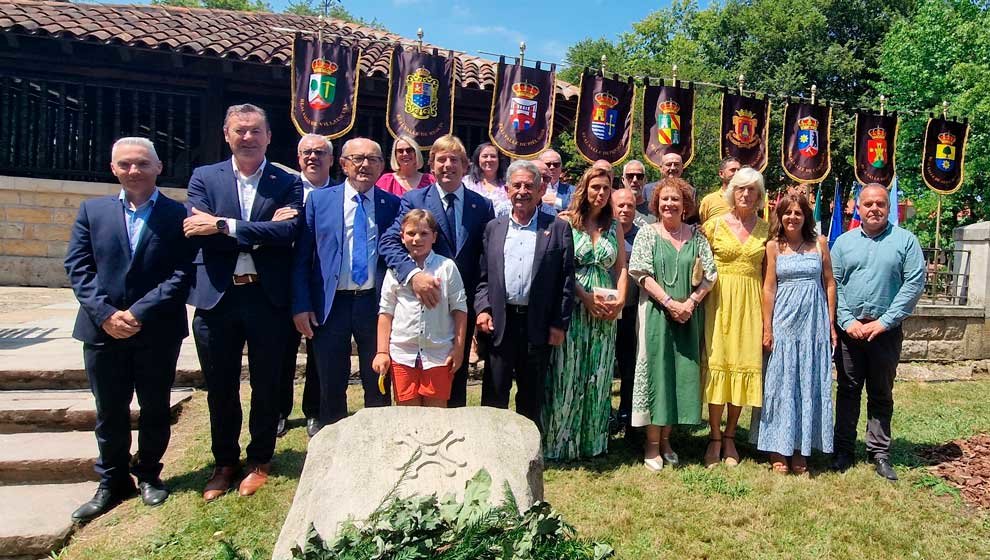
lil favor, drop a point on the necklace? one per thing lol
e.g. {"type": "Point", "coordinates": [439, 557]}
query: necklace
{"type": "Point", "coordinates": [663, 275]}
{"type": "Point", "coordinates": [798, 250]}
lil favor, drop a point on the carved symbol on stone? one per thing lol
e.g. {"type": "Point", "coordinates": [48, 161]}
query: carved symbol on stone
{"type": "Point", "coordinates": [431, 453]}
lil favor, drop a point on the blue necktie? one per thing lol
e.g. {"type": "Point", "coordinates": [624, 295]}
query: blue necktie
{"type": "Point", "coordinates": [451, 199]}
{"type": "Point", "coordinates": [359, 253]}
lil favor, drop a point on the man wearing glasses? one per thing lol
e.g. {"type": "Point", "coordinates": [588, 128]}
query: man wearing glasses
{"type": "Point", "coordinates": [558, 194]}
{"type": "Point", "coordinates": [633, 177]}
{"type": "Point", "coordinates": [337, 276]}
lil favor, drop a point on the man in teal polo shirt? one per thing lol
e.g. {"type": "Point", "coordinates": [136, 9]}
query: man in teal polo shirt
{"type": "Point", "coordinates": [880, 275]}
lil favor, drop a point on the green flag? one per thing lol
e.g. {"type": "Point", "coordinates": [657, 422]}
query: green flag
{"type": "Point", "coordinates": [818, 205]}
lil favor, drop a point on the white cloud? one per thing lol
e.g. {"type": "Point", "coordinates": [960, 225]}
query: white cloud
{"type": "Point", "coordinates": [554, 51]}
{"type": "Point", "coordinates": [494, 31]}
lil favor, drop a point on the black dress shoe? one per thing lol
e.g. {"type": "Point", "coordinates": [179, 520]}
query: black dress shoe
{"type": "Point", "coordinates": [282, 427]}
{"type": "Point", "coordinates": [885, 469]}
{"type": "Point", "coordinates": [153, 493]}
{"type": "Point", "coordinates": [841, 462]}
{"type": "Point", "coordinates": [313, 427]}
{"type": "Point", "coordinates": [104, 500]}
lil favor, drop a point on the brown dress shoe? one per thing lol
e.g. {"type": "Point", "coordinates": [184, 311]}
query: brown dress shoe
{"type": "Point", "coordinates": [256, 478]}
{"type": "Point", "coordinates": [220, 482]}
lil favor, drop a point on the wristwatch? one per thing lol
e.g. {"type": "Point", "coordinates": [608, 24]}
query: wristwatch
{"type": "Point", "coordinates": [222, 225]}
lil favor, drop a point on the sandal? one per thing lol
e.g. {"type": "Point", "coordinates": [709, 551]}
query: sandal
{"type": "Point", "coordinates": [778, 463]}
{"type": "Point", "coordinates": [654, 464]}
{"type": "Point", "coordinates": [800, 469]}
{"type": "Point", "coordinates": [731, 461]}
{"type": "Point", "coordinates": [711, 460]}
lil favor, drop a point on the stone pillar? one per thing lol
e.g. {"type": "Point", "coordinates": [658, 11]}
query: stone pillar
{"type": "Point", "coordinates": [974, 238]}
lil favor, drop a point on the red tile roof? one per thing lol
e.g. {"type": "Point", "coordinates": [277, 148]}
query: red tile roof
{"type": "Point", "coordinates": [246, 36]}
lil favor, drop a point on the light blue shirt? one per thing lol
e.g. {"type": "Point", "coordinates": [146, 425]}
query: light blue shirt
{"type": "Point", "coordinates": [136, 218]}
{"type": "Point", "coordinates": [458, 211]}
{"type": "Point", "coordinates": [518, 255]}
{"type": "Point", "coordinates": [880, 277]}
{"type": "Point", "coordinates": [350, 208]}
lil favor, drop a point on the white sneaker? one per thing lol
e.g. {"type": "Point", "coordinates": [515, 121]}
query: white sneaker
{"type": "Point", "coordinates": [655, 464]}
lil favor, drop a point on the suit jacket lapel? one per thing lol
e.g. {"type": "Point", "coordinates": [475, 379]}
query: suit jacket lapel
{"type": "Point", "coordinates": [117, 207]}
{"type": "Point", "coordinates": [435, 206]}
{"type": "Point", "coordinates": [498, 241]}
{"type": "Point", "coordinates": [380, 211]}
{"type": "Point", "coordinates": [543, 222]}
{"type": "Point", "coordinates": [148, 230]}
{"type": "Point", "coordinates": [263, 195]}
{"type": "Point", "coordinates": [228, 202]}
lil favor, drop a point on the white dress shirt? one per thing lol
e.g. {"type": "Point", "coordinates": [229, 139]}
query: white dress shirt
{"type": "Point", "coordinates": [518, 254]}
{"type": "Point", "coordinates": [418, 331]}
{"type": "Point", "coordinates": [350, 209]}
{"type": "Point", "coordinates": [247, 188]}
{"type": "Point", "coordinates": [309, 187]}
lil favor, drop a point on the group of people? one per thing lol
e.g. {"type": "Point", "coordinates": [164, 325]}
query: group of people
{"type": "Point", "coordinates": [560, 285]}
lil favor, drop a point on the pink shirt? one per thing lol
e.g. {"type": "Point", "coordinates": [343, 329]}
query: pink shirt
{"type": "Point", "coordinates": [389, 183]}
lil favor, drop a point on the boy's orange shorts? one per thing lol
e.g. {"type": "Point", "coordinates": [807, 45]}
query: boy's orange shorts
{"type": "Point", "coordinates": [411, 382]}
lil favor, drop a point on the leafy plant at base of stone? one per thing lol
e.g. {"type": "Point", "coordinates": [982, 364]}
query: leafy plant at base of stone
{"type": "Point", "coordinates": [425, 527]}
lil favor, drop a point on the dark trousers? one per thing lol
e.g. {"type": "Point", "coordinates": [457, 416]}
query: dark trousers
{"type": "Point", "coordinates": [873, 364]}
{"type": "Point", "coordinates": [116, 371]}
{"type": "Point", "coordinates": [458, 386]}
{"type": "Point", "coordinates": [311, 389]}
{"type": "Point", "coordinates": [625, 360]}
{"type": "Point", "coordinates": [350, 316]}
{"type": "Point", "coordinates": [517, 358]}
{"type": "Point", "coordinates": [244, 314]}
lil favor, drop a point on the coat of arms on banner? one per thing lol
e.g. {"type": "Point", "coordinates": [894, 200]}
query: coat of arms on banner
{"type": "Point", "coordinates": [743, 132]}
{"type": "Point", "coordinates": [945, 152]}
{"type": "Point", "coordinates": [669, 123]}
{"type": "Point", "coordinates": [524, 105]}
{"type": "Point", "coordinates": [876, 147]}
{"type": "Point", "coordinates": [808, 136]}
{"type": "Point", "coordinates": [604, 117]}
{"type": "Point", "coordinates": [421, 98]}
{"type": "Point", "coordinates": [322, 84]}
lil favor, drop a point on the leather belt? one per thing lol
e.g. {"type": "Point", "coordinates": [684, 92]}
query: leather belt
{"type": "Point", "coordinates": [357, 292]}
{"type": "Point", "coordinates": [245, 279]}
{"type": "Point", "coordinates": [516, 309]}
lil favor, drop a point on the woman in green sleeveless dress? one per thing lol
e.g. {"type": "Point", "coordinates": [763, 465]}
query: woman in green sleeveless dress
{"type": "Point", "coordinates": [579, 386]}
{"type": "Point", "coordinates": [670, 330]}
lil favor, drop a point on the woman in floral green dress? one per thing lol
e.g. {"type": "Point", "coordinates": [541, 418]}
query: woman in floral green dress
{"type": "Point", "coordinates": [578, 399]}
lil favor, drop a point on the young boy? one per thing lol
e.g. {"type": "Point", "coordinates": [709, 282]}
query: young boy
{"type": "Point", "coordinates": [422, 346]}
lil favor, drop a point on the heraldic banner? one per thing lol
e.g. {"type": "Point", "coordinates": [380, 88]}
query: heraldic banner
{"type": "Point", "coordinates": [522, 109]}
{"type": "Point", "coordinates": [603, 127]}
{"type": "Point", "coordinates": [804, 149]}
{"type": "Point", "coordinates": [668, 122]}
{"type": "Point", "coordinates": [420, 95]}
{"type": "Point", "coordinates": [873, 149]}
{"type": "Point", "coordinates": [745, 130]}
{"type": "Point", "coordinates": [324, 87]}
{"type": "Point", "coordinates": [942, 158]}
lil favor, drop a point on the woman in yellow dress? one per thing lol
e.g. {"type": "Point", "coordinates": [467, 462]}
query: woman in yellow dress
{"type": "Point", "coordinates": [733, 362]}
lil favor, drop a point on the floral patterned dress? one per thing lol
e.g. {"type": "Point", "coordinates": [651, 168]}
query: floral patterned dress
{"type": "Point", "coordinates": [579, 386]}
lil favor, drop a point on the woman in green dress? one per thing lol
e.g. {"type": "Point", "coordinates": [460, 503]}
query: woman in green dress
{"type": "Point", "coordinates": [673, 264]}
{"type": "Point", "coordinates": [579, 386]}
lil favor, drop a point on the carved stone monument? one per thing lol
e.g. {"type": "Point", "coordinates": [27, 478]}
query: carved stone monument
{"type": "Point", "coordinates": [353, 464]}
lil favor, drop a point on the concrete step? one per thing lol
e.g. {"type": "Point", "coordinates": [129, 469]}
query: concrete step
{"type": "Point", "coordinates": [35, 519]}
{"type": "Point", "coordinates": [55, 411]}
{"type": "Point", "coordinates": [49, 457]}
{"type": "Point", "coordinates": [74, 378]}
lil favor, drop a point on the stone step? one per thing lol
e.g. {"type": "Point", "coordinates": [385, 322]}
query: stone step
{"type": "Point", "coordinates": [55, 411]}
{"type": "Point", "coordinates": [75, 378]}
{"type": "Point", "coordinates": [49, 457]}
{"type": "Point", "coordinates": [35, 519]}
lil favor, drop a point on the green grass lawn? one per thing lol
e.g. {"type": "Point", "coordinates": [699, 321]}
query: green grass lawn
{"type": "Point", "coordinates": [746, 512]}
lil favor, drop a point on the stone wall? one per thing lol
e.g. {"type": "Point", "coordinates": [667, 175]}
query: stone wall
{"type": "Point", "coordinates": [946, 333]}
{"type": "Point", "coordinates": [36, 217]}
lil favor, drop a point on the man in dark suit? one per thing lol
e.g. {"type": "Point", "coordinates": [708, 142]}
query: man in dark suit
{"type": "Point", "coordinates": [241, 292]}
{"type": "Point", "coordinates": [337, 276]}
{"type": "Point", "coordinates": [525, 293]}
{"type": "Point", "coordinates": [462, 215]}
{"type": "Point", "coordinates": [558, 193]}
{"type": "Point", "coordinates": [315, 159]}
{"type": "Point", "coordinates": [129, 264]}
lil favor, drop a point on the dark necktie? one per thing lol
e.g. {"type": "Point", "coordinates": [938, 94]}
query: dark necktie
{"type": "Point", "coordinates": [451, 199]}
{"type": "Point", "coordinates": [359, 255]}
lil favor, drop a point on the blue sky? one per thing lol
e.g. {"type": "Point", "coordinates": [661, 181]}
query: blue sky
{"type": "Point", "coordinates": [547, 26]}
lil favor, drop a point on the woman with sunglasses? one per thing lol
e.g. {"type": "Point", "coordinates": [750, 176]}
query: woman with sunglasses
{"type": "Point", "coordinates": [407, 160]}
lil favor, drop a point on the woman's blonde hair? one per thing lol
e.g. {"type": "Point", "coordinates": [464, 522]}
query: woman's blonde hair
{"type": "Point", "coordinates": [412, 144]}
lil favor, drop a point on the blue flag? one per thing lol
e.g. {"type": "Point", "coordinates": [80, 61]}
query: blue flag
{"type": "Point", "coordinates": [892, 217]}
{"type": "Point", "coordinates": [835, 229]}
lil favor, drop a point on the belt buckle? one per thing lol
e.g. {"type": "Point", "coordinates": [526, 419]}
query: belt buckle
{"type": "Point", "coordinates": [248, 279]}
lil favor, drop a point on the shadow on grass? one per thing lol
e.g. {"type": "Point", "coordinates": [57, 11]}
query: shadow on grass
{"type": "Point", "coordinates": [287, 463]}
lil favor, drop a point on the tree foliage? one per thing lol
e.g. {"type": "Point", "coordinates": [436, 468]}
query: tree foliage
{"type": "Point", "coordinates": [236, 5]}
{"type": "Point", "coordinates": [916, 52]}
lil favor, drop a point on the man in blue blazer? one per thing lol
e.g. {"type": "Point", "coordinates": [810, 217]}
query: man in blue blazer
{"type": "Point", "coordinates": [525, 295]}
{"type": "Point", "coordinates": [241, 292]}
{"type": "Point", "coordinates": [338, 274]}
{"type": "Point", "coordinates": [557, 194]}
{"type": "Point", "coordinates": [462, 215]}
{"type": "Point", "coordinates": [129, 264]}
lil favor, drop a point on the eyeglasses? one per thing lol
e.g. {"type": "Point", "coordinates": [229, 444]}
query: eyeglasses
{"type": "Point", "coordinates": [317, 153]}
{"type": "Point", "coordinates": [359, 160]}
{"type": "Point", "coordinates": [404, 150]}
{"type": "Point", "coordinates": [553, 164]}
{"type": "Point", "coordinates": [635, 176]}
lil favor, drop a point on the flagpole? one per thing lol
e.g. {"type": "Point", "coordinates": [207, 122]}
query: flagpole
{"type": "Point", "coordinates": [938, 211]}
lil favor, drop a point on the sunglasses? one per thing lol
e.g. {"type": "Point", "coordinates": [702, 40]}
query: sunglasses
{"type": "Point", "coordinates": [635, 176]}
{"type": "Point", "coordinates": [553, 164]}
{"type": "Point", "coordinates": [317, 153]}
{"type": "Point", "coordinates": [404, 150]}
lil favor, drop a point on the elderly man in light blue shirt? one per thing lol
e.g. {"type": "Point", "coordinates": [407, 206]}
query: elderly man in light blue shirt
{"type": "Point", "coordinates": [880, 275]}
